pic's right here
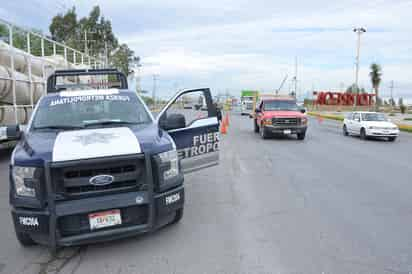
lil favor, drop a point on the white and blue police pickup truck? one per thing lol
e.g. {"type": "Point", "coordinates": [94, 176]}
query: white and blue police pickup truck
{"type": "Point", "coordinates": [95, 165]}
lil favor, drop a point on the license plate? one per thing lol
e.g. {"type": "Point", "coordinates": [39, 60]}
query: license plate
{"type": "Point", "coordinates": [105, 219]}
{"type": "Point", "coordinates": [287, 131]}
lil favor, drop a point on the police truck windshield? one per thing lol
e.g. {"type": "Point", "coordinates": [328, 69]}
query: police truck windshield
{"type": "Point", "coordinates": [68, 112]}
{"type": "Point", "coordinates": [280, 105]}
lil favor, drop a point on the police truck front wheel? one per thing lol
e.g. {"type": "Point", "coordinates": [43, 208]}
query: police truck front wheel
{"type": "Point", "coordinates": [178, 216]}
{"type": "Point", "coordinates": [24, 238]}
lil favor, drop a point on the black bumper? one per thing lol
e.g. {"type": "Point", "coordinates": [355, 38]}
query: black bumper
{"type": "Point", "coordinates": [71, 217]}
{"type": "Point", "coordinates": [297, 129]}
{"type": "Point", "coordinates": [64, 218]}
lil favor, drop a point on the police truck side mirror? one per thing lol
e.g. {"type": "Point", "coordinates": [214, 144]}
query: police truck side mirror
{"type": "Point", "coordinates": [257, 110]}
{"type": "Point", "coordinates": [219, 114]}
{"type": "Point", "coordinates": [172, 121]}
{"type": "Point", "coordinates": [303, 110]}
{"type": "Point", "coordinates": [13, 133]}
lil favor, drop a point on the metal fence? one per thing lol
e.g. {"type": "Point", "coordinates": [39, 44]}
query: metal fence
{"type": "Point", "coordinates": [45, 47]}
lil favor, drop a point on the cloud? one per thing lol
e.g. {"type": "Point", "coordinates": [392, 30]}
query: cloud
{"type": "Point", "coordinates": [236, 44]}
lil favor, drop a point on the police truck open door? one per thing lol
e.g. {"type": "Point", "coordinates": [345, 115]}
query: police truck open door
{"type": "Point", "coordinates": [194, 131]}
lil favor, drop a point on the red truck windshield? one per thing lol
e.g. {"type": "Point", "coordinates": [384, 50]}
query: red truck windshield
{"type": "Point", "coordinates": [280, 105]}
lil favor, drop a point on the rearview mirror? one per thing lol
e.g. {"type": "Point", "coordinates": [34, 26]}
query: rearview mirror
{"type": "Point", "coordinates": [172, 121]}
{"type": "Point", "coordinates": [13, 133]}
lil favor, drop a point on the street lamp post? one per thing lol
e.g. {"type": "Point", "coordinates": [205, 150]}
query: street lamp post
{"type": "Point", "coordinates": [359, 32]}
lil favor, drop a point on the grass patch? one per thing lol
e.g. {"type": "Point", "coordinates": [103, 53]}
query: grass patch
{"type": "Point", "coordinates": [327, 116]}
{"type": "Point", "coordinates": [405, 128]}
{"type": "Point", "coordinates": [407, 119]}
{"type": "Point", "coordinates": [391, 114]}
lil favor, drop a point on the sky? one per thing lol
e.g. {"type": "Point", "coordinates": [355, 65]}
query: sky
{"type": "Point", "coordinates": [232, 45]}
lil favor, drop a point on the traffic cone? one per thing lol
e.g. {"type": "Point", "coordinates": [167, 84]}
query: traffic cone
{"type": "Point", "coordinates": [223, 129]}
{"type": "Point", "coordinates": [227, 119]}
{"type": "Point", "coordinates": [320, 119]}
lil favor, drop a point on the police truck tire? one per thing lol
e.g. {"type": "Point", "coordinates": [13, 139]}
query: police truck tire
{"type": "Point", "coordinates": [24, 239]}
{"type": "Point", "coordinates": [256, 128]}
{"type": "Point", "coordinates": [178, 216]}
{"type": "Point", "coordinates": [301, 136]}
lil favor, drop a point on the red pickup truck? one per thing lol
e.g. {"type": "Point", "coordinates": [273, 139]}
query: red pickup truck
{"type": "Point", "coordinates": [280, 115]}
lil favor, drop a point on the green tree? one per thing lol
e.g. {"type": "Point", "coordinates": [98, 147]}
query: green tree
{"type": "Point", "coordinates": [64, 28]}
{"type": "Point", "coordinates": [400, 101]}
{"type": "Point", "coordinates": [121, 58]}
{"type": "Point", "coordinates": [376, 78]}
{"type": "Point", "coordinates": [354, 89]}
{"type": "Point", "coordinates": [101, 41]}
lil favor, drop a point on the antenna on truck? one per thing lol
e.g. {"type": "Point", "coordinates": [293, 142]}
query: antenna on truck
{"type": "Point", "coordinates": [281, 84]}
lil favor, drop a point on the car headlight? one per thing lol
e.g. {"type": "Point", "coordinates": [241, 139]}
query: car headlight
{"type": "Point", "coordinates": [267, 122]}
{"type": "Point", "coordinates": [23, 181]}
{"type": "Point", "coordinates": [169, 160]}
{"type": "Point", "coordinates": [304, 120]}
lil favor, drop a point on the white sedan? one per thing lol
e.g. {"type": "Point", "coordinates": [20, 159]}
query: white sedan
{"type": "Point", "coordinates": [369, 124]}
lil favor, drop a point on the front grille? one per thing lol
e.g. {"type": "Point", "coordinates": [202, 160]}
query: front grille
{"type": "Point", "coordinates": [92, 188]}
{"type": "Point", "coordinates": [93, 172]}
{"type": "Point", "coordinates": [75, 180]}
{"type": "Point", "coordinates": [286, 121]}
{"type": "Point", "coordinates": [79, 224]}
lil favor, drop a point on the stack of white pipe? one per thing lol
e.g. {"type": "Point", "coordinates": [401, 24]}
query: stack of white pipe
{"type": "Point", "coordinates": [23, 86]}
{"type": "Point", "coordinates": [27, 92]}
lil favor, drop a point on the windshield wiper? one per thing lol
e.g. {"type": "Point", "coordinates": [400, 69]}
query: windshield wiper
{"type": "Point", "coordinates": [62, 127]}
{"type": "Point", "coordinates": [111, 122]}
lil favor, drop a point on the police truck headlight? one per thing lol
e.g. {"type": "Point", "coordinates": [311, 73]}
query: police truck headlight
{"type": "Point", "coordinates": [171, 160]}
{"type": "Point", "coordinates": [166, 170]}
{"type": "Point", "coordinates": [23, 181]}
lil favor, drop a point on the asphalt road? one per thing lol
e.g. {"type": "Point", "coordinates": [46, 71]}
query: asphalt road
{"type": "Point", "coordinates": [329, 204]}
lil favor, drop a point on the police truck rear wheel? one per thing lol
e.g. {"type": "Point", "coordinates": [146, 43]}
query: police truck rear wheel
{"type": "Point", "coordinates": [24, 239]}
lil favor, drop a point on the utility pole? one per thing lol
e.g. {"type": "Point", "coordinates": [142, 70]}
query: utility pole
{"type": "Point", "coordinates": [295, 79]}
{"type": "Point", "coordinates": [138, 77]}
{"type": "Point", "coordinates": [391, 87]}
{"type": "Point", "coordinates": [86, 48]}
{"type": "Point", "coordinates": [155, 78]}
{"type": "Point", "coordinates": [359, 32]}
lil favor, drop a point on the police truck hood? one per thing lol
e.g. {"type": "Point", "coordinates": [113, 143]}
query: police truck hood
{"type": "Point", "coordinates": [91, 143]}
